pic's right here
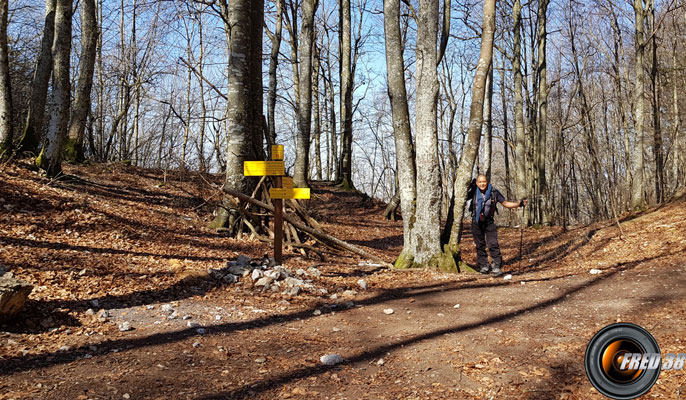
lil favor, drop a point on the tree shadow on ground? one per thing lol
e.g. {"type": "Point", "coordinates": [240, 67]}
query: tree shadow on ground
{"type": "Point", "coordinates": [388, 242]}
{"type": "Point", "coordinates": [17, 364]}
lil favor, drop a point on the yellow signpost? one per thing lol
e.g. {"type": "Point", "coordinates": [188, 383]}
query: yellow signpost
{"type": "Point", "coordinates": [289, 193]}
{"type": "Point", "coordinates": [263, 168]}
{"type": "Point", "coordinates": [277, 152]}
{"type": "Point", "coordinates": [284, 190]}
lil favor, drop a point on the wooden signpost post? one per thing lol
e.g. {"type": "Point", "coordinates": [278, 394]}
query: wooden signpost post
{"type": "Point", "coordinates": [284, 190]}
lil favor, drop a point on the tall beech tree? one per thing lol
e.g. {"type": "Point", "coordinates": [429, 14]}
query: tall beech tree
{"type": "Point", "coordinates": [82, 103]}
{"type": "Point", "coordinates": [50, 159]}
{"type": "Point", "coordinates": [305, 47]}
{"type": "Point", "coordinates": [31, 137]}
{"type": "Point", "coordinates": [6, 134]}
{"type": "Point", "coordinates": [476, 110]}
{"type": "Point", "coordinates": [346, 100]}
{"type": "Point", "coordinates": [243, 19]}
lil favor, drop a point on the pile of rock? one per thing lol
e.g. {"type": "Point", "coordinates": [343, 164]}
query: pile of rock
{"type": "Point", "coordinates": [13, 295]}
{"type": "Point", "coordinates": [265, 275]}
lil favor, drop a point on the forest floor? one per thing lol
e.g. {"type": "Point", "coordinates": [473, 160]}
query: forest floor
{"type": "Point", "coordinates": [129, 241]}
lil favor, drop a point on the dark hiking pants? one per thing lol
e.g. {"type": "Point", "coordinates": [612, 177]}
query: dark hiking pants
{"type": "Point", "coordinates": [485, 233]}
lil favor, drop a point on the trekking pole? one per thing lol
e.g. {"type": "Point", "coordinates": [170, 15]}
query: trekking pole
{"type": "Point", "coordinates": [521, 237]}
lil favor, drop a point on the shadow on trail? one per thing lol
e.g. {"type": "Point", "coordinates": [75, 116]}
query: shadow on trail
{"type": "Point", "coordinates": [14, 365]}
{"type": "Point", "coordinates": [38, 244]}
{"type": "Point", "coordinates": [254, 388]}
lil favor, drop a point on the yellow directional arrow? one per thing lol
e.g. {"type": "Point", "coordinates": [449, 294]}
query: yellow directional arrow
{"type": "Point", "coordinates": [289, 193]}
{"type": "Point", "coordinates": [262, 168]}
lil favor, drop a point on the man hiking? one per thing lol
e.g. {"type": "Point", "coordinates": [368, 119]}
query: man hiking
{"type": "Point", "coordinates": [483, 198]}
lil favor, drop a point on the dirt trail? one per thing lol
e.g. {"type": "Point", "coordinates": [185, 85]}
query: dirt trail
{"type": "Point", "coordinates": [142, 244]}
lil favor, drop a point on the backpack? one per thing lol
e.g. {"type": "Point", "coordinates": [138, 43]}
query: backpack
{"type": "Point", "coordinates": [490, 204]}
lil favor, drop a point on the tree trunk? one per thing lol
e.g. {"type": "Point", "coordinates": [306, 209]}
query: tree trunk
{"type": "Point", "coordinates": [397, 93]}
{"type": "Point", "coordinates": [82, 104]}
{"type": "Point", "coordinates": [543, 216]}
{"type": "Point", "coordinates": [244, 96]}
{"type": "Point", "coordinates": [678, 152]}
{"type": "Point", "coordinates": [520, 133]}
{"type": "Point", "coordinates": [306, 38]}
{"type": "Point", "coordinates": [637, 198]}
{"type": "Point", "coordinates": [33, 130]}
{"type": "Point", "coordinates": [346, 99]}
{"type": "Point", "coordinates": [488, 124]}
{"type": "Point", "coordinates": [427, 215]}
{"type": "Point", "coordinates": [273, 64]}
{"type": "Point", "coordinates": [317, 133]}
{"type": "Point", "coordinates": [50, 159]}
{"type": "Point", "coordinates": [657, 131]}
{"type": "Point", "coordinates": [466, 165]}
{"type": "Point", "coordinates": [6, 134]}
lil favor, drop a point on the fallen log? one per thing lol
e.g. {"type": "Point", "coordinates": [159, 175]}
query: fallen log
{"type": "Point", "coordinates": [316, 233]}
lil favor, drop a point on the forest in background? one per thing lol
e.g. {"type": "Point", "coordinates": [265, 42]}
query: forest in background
{"type": "Point", "coordinates": [581, 108]}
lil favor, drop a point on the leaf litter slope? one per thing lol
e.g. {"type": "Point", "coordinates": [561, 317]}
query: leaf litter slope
{"type": "Point", "coordinates": [121, 239]}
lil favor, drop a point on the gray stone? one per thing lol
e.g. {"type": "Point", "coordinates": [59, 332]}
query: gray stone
{"type": "Point", "coordinates": [230, 278]}
{"type": "Point", "coordinates": [264, 281]}
{"type": "Point", "coordinates": [173, 315]}
{"type": "Point", "coordinates": [243, 260]}
{"type": "Point", "coordinates": [257, 274]}
{"type": "Point", "coordinates": [317, 312]}
{"type": "Point", "coordinates": [197, 344]}
{"type": "Point", "coordinates": [95, 303]}
{"type": "Point", "coordinates": [201, 331]}
{"type": "Point", "coordinates": [275, 287]}
{"type": "Point", "coordinates": [185, 317]}
{"type": "Point", "coordinates": [388, 311]}
{"type": "Point", "coordinates": [294, 282]}
{"type": "Point", "coordinates": [104, 314]}
{"type": "Point", "coordinates": [90, 312]}
{"type": "Point", "coordinates": [380, 362]}
{"type": "Point", "coordinates": [300, 272]}
{"type": "Point", "coordinates": [349, 293]}
{"type": "Point", "coordinates": [260, 360]}
{"type": "Point", "coordinates": [215, 273]}
{"type": "Point", "coordinates": [362, 284]}
{"type": "Point", "coordinates": [275, 275]}
{"type": "Point", "coordinates": [294, 291]}
{"type": "Point", "coordinates": [237, 270]}
{"type": "Point", "coordinates": [167, 308]}
{"type": "Point", "coordinates": [191, 324]}
{"type": "Point", "coordinates": [283, 271]}
{"type": "Point", "coordinates": [314, 271]}
{"type": "Point", "coordinates": [125, 326]}
{"type": "Point", "coordinates": [331, 359]}
{"type": "Point", "coordinates": [13, 295]}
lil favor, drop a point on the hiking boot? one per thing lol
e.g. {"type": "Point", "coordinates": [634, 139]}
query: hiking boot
{"type": "Point", "coordinates": [484, 269]}
{"type": "Point", "coordinates": [495, 270]}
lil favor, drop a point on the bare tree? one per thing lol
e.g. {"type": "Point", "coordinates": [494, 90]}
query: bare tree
{"type": "Point", "coordinates": [82, 104]}
{"type": "Point", "coordinates": [6, 135]}
{"type": "Point", "coordinates": [637, 189]}
{"type": "Point", "coordinates": [30, 140]}
{"type": "Point", "coordinates": [469, 152]}
{"type": "Point", "coordinates": [404, 148]}
{"type": "Point", "coordinates": [346, 111]}
{"type": "Point", "coordinates": [306, 45]}
{"type": "Point", "coordinates": [243, 19]}
{"type": "Point", "coordinates": [273, 64]}
{"type": "Point", "coordinates": [50, 159]}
